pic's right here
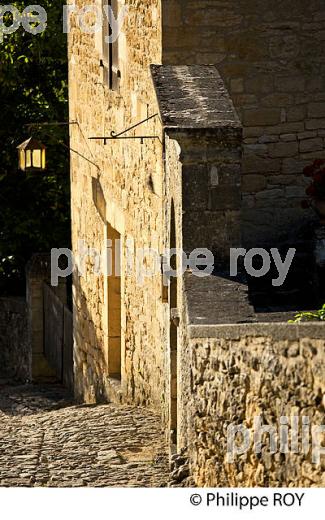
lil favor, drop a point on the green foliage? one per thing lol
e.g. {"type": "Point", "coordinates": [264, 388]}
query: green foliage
{"type": "Point", "coordinates": [34, 209]}
{"type": "Point", "coordinates": [310, 316]}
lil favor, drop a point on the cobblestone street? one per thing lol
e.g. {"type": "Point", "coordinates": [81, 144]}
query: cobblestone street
{"type": "Point", "coordinates": [47, 440]}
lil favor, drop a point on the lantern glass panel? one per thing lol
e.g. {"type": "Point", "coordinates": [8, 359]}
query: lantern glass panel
{"type": "Point", "coordinates": [43, 159]}
{"type": "Point", "coordinates": [28, 159]}
{"type": "Point", "coordinates": [22, 160]}
{"type": "Point", "coordinates": [37, 159]}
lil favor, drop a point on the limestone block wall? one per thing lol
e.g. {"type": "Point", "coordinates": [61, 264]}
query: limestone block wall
{"type": "Point", "coordinates": [15, 351]}
{"type": "Point", "coordinates": [240, 372]}
{"type": "Point", "coordinates": [271, 57]}
{"type": "Point", "coordinates": [119, 186]}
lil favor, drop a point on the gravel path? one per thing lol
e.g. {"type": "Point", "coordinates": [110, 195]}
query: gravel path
{"type": "Point", "coordinates": [47, 440]}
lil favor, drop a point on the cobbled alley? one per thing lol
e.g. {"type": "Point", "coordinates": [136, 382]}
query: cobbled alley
{"type": "Point", "coordinates": [47, 440]}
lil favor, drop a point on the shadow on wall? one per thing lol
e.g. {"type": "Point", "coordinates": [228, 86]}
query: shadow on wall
{"type": "Point", "coordinates": [92, 354]}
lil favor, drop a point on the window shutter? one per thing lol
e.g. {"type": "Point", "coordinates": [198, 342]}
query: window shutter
{"type": "Point", "coordinates": [110, 53]}
{"type": "Point", "coordinates": [105, 60]}
{"type": "Point", "coordinates": [114, 53]}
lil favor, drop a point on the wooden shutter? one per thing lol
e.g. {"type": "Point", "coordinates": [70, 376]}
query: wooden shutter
{"type": "Point", "coordinates": [105, 58]}
{"type": "Point", "coordinates": [115, 73]}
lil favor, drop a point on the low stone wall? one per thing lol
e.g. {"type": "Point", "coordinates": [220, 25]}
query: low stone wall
{"type": "Point", "coordinates": [240, 372]}
{"type": "Point", "coordinates": [15, 355]}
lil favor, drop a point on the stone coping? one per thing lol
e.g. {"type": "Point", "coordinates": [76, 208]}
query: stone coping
{"type": "Point", "coordinates": [277, 331]}
{"type": "Point", "coordinates": [193, 97]}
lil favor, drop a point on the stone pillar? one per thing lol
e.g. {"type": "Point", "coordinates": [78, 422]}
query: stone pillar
{"type": "Point", "coordinates": [211, 190]}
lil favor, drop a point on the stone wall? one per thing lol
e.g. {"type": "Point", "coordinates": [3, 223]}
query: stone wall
{"type": "Point", "coordinates": [15, 352]}
{"type": "Point", "coordinates": [271, 57]}
{"type": "Point", "coordinates": [240, 372]}
{"type": "Point", "coordinates": [119, 186]}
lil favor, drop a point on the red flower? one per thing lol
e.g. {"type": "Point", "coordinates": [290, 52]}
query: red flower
{"type": "Point", "coordinates": [316, 188]}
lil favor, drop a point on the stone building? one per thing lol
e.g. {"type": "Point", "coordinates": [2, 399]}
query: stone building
{"type": "Point", "coordinates": [236, 91]}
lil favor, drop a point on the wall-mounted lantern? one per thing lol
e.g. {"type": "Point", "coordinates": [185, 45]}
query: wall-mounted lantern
{"type": "Point", "coordinates": [31, 155]}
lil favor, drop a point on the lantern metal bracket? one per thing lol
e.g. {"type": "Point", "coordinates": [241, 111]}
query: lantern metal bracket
{"type": "Point", "coordinates": [63, 123]}
{"type": "Point", "coordinates": [120, 135]}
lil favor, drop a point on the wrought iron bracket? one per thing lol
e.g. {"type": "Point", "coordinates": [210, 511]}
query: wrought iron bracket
{"type": "Point", "coordinates": [120, 135]}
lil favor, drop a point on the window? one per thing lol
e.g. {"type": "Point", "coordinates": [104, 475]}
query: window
{"type": "Point", "coordinates": [110, 54]}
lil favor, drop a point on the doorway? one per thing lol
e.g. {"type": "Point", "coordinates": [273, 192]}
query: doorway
{"type": "Point", "coordinates": [114, 303]}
